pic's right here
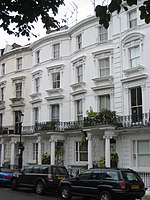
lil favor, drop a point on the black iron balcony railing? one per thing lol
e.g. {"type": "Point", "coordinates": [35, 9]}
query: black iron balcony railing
{"type": "Point", "coordinates": [119, 122]}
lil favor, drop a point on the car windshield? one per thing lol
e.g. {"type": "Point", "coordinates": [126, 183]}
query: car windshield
{"type": "Point", "coordinates": [131, 176]}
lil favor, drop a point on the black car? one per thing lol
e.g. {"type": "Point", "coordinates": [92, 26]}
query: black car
{"type": "Point", "coordinates": [41, 178]}
{"type": "Point", "coordinates": [104, 184]}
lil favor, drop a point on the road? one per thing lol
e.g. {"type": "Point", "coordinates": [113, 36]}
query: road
{"type": "Point", "coordinates": [25, 194]}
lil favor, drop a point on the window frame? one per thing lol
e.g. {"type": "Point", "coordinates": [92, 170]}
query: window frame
{"type": "Point", "coordinates": [3, 69]}
{"type": "Point", "coordinates": [35, 152]}
{"type": "Point", "coordinates": [56, 80]}
{"type": "Point", "coordinates": [135, 58]}
{"type": "Point", "coordinates": [136, 155]}
{"type": "Point", "coordinates": [56, 50]}
{"type": "Point", "coordinates": [79, 151]}
{"type": "Point", "coordinates": [103, 34]}
{"type": "Point", "coordinates": [79, 41]}
{"type": "Point", "coordinates": [132, 20]}
{"type": "Point", "coordinates": [37, 53]}
{"type": "Point", "coordinates": [137, 107]}
{"type": "Point", "coordinates": [36, 115]}
{"type": "Point", "coordinates": [2, 93]}
{"type": "Point", "coordinates": [18, 91]}
{"type": "Point", "coordinates": [79, 110]}
{"type": "Point", "coordinates": [19, 63]}
{"type": "Point", "coordinates": [103, 68]}
{"type": "Point", "coordinates": [55, 108]}
{"type": "Point", "coordinates": [101, 97]}
{"type": "Point", "coordinates": [79, 73]}
{"type": "Point", "coordinates": [37, 84]}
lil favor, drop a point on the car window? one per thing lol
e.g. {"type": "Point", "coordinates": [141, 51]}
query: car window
{"type": "Point", "coordinates": [85, 175]}
{"type": "Point", "coordinates": [111, 175]}
{"type": "Point", "coordinates": [37, 169]}
{"type": "Point", "coordinates": [95, 175]}
{"type": "Point", "coordinates": [44, 170]}
{"type": "Point", "coordinates": [59, 170]}
{"type": "Point", "coordinates": [131, 176]}
{"type": "Point", "coordinates": [28, 169]}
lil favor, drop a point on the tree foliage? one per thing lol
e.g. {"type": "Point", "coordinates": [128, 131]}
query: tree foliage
{"type": "Point", "coordinates": [104, 12]}
{"type": "Point", "coordinates": [22, 14]}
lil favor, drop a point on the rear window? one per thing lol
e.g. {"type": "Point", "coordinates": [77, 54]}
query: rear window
{"type": "Point", "coordinates": [59, 171]}
{"type": "Point", "coordinates": [131, 176]}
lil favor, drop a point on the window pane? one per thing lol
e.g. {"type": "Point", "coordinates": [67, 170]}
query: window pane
{"type": "Point", "coordinates": [135, 56]}
{"type": "Point", "coordinates": [143, 147]}
{"type": "Point", "coordinates": [56, 80]}
{"type": "Point", "coordinates": [144, 161]}
{"type": "Point", "coordinates": [104, 67]}
{"type": "Point", "coordinates": [103, 33]}
{"type": "Point", "coordinates": [104, 102]}
{"type": "Point", "coordinates": [55, 112]}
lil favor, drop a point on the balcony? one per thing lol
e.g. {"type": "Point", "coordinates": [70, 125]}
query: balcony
{"type": "Point", "coordinates": [119, 122]}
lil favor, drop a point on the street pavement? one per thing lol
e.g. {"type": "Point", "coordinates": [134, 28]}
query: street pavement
{"type": "Point", "coordinates": [25, 194]}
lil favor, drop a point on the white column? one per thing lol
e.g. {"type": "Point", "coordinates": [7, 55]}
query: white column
{"type": "Point", "coordinates": [109, 134]}
{"type": "Point", "coordinates": [2, 152]}
{"type": "Point", "coordinates": [52, 151]}
{"type": "Point", "coordinates": [90, 160]}
{"type": "Point", "coordinates": [12, 159]}
{"type": "Point", "coordinates": [39, 150]}
{"type": "Point", "coordinates": [107, 151]}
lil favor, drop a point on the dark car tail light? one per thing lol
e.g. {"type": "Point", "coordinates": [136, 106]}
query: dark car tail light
{"type": "Point", "coordinates": [122, 185]}
{"type": "Point", "coordinates": [49, 177]}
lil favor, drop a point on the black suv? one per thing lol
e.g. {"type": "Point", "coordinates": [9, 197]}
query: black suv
{"type": "Point", "coordinates": [104, 184]}
{"type": "Point", "coordinates": [41, 178]}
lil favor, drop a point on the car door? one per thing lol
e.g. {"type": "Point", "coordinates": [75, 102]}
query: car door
{"type": "Point", "coordinates": [80, 183]}
{"type": "Point", "coordinates": [25, 178]}
{"type": "Point", "coordinates": [94, 181]}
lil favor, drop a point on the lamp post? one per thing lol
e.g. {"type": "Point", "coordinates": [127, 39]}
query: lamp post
{"type": "Point", "coordinates": [21, 147]}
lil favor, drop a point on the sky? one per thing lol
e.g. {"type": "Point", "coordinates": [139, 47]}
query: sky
{"type": "Point", "coordinates": [73, 11]}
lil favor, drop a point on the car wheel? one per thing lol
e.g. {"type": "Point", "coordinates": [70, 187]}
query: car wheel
{"type": "Point", "coordinates": [65, 192]}
{"type": "Point", "coordinates": [14, 184]}
{"type": "Point", "coordinates": [105, 196]}
{"type": "Point", "coordinates": [39, 188]}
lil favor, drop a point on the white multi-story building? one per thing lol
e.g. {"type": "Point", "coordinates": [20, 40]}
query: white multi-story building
{"type": "Point", "coordinates": [55, 80]}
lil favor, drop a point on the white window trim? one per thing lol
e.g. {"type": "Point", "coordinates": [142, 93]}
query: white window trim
{"type": "Point", "coordinates": [17, 66]}
{"type": "Point", "coordinates": [102, 55]}
{"type": "Point", "coordinates": [37, 57]}
{"type": "Point", "coordinates": [54, 51]}
{"type": "Point", "coordinates": [128, 42]}
{"type": "Point", "coordinates": [129, 12]}
{"type": "Point", "coordinates": [79, 161]}
{"type": "Point", "coordinates": [79, 44]}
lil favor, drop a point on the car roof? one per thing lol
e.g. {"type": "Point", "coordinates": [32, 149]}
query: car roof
{"type": "Point", "coordinates": [114, 169]}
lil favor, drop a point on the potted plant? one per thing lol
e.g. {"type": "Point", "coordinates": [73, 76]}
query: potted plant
{"type": "Point", "coordinates": [113, 160]}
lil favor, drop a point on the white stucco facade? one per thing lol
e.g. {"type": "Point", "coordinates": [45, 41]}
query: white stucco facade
{"type": "Point", "coordinates": [66, 73]}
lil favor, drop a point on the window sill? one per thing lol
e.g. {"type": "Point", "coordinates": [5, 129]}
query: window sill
{"type": "Point", "coordinates": [37, 94]}
{"type": "Point", "coordinates": [54, 91]}
{"type": "Point", "coordinates": [77, 85]}
{"type": "Point", "coordinates": [133, 70]}
{"type": "Point", "coordinates": [103, 79]}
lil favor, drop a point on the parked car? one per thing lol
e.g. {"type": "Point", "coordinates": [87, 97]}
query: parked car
{"type": "Point", "coordinates": [5, 176]}
{"type": "Point", "coordinates": [104, 184]}
{"type": "Point", "coordinates": [41, 178]}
